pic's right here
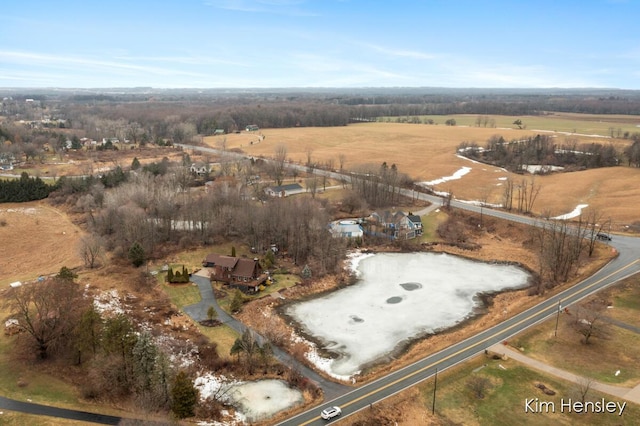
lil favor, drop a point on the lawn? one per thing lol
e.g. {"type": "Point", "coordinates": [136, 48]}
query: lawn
{"type": "Point", "coordinates": [619, 349]}
{"type": "Point", "coordinates": [509, 386]}
{"type": "Point", "coordinates": [430, 224]}
{"type": "Point", "coordinates": [222, 335]}
{"type": "Point", "coordinates": [181, 295]}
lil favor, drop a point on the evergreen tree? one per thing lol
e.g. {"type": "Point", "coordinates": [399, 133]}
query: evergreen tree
{"type": "Point", "coordinates": [212, 313]}
{"type": "Point", "coordinates": [66, 274]}
{"type": "Point", "coordinates": [184, 396]}
{"type": "Point", "coordinates": [306, 272]}
{"type": "Point", "coordinates": [237, 301]}
{"type": "Point", "coordinates": [135, 164]}
{"type": "Point", "coordinates": [144, 362]}
{"type": "Point", "coordinates": [137, 254]}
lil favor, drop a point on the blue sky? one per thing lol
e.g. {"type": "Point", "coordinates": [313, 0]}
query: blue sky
{"type": "Point", "coordinates": [320, 43]}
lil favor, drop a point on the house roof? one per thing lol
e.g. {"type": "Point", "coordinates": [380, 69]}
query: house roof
{"type": "Point", "coordinates": [220, 260]}
{"type": "Point", "coordinates": [289, 187]}
{"type": "Point", "coordinates": [387, 216]}
{"type": "Point", "coordinates": [245, 267]}
{"type": "Point", "coordinates": [414, 218]}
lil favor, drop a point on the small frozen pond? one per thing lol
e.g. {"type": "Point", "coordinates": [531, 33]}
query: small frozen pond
{"type": "Point", "coordinates": [255, 401]}
{"type": "Point", "coordinates": [398, 297]}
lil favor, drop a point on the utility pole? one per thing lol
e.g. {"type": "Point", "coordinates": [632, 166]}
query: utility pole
{"type": "Point", "coordinates": [555, 333]}
{"type": "Point", "coordinates": [435, 387]}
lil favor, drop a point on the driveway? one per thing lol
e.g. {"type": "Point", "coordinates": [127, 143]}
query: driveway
{"type": "Point", "coordinates": [198, 312]}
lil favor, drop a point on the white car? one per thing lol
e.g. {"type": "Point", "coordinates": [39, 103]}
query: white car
{"type": "Point", "coordinates": [331, 412]}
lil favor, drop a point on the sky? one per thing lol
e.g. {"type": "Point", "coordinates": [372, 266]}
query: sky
{"type": "Point", "coordinates": [320, 43]}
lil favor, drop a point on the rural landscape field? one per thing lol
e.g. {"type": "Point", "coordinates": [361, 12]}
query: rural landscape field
{"type": "Point", "coordinates": [114, 302]}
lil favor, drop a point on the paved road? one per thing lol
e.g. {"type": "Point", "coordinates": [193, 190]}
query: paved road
{"type": "Point", "coordinates": [45, 410]}
{"type": "Point", "coordinates": [198, 312]}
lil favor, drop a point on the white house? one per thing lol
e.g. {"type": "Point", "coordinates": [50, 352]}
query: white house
{"type": "Point", "coordinates": [284, 190]}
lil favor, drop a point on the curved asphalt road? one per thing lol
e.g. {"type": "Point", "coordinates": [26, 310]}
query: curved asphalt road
{"type": "Point", "coordinates": [45, 410]}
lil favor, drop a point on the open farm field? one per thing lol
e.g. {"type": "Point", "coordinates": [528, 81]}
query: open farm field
{"type": "Point", "coordinates": [36, 240]}
{"type": "Point", "coordinates": [561, 122]}
{"type": "Point", "coordinates": [427, 152]}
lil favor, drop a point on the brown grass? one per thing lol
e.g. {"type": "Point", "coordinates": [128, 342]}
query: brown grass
{"type": "Point", "coordinates": [36, 240]}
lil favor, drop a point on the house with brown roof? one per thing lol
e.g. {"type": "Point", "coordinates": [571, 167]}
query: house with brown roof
{"type": "Point", "coordinates": [237, 272]}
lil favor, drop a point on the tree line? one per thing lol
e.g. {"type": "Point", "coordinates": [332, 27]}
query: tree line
{"type": "Point", "coordinates": [24, 189]}
{"type": "Point", "coordinates": [542, 150]}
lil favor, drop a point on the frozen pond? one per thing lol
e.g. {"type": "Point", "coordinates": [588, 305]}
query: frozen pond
{"type": "Point", "coordinates": [255, 401]}
{"type": "Point", "coordinates": [398, 297]}
{"type": "Point", "coordinates": [262, 399]}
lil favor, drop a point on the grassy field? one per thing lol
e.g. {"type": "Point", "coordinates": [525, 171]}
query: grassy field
{"type": "Point", "coordinates": [36, 240]}
{"type": "Point", "coordinates": [583, 124]}
{"type": "Point", "coordinates": [427, 152]}
{"type": "Point", "coordinates": [613, 348]}
{"type": "Point", "coordinates": [509, 386]}
{"type": "Point", "coordinates": [600, 359]}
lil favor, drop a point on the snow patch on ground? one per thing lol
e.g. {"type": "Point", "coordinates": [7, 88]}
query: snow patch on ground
{"type": "Point", "coordinates": [399, 297]}
{"type": "Point", "coordinates": [575, 213]}
{"type": "Point", "coordinates": [457, 175]}
{"type": "Point", "coordinates": [537, 168]}
{"type": "Point", "coordinates": [108, 302]}
{"type": "Point", "coordinates": [481, 204]}
{"type": "Point", "coordinates": [21, 210]}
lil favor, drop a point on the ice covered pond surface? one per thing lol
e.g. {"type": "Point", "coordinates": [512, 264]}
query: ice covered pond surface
{"type": "Point", "coordinates": [398, 297]}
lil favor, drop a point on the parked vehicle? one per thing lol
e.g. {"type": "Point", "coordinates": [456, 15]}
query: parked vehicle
{"type": "Point", "coordinates": [331, 412]}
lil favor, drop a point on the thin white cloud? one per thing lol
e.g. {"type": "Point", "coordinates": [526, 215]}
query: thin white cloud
{"type": "Point", "coordinates": [399, 52]}
{"type": "Point", "coordinates": [275, 7]}
{"type": "Point", "coordinates": [186, 60]}
{"type": "Point", "coordinates": [77, 63]}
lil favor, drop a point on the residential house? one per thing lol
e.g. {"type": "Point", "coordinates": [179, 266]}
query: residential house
{"type": "Point", "coordinates": [284, 190]}
{"type": "Point", "coordinates": [416, 223]}
{"type": "Point", "coordinates": [200, 169]}
{"type": "Point", "coordinates": [237, 272]}
{"type": "Point", "coordinates": [252, 128]}
{"type": "Point", "coordinates": [6, 161]}
{"type": "Point", "coordinates": [394, 225]}
{"type": "Point", "coordinates": [218, 132]}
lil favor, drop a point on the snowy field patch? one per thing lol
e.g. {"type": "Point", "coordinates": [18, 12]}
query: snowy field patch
{"type": "Point", "coordinates": [575, 213]}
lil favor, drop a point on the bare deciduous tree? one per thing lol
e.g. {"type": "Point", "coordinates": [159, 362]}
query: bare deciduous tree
{"type": "Point", "coordinates": [590, 320]}
{"type": "Point", "coordinates": [278, 165]}
{"type": "Point", "coordinates": [47, 311]}
{"type": "Point", "coordinates": [91, 250]}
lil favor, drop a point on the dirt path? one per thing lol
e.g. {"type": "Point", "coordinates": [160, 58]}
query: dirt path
{"type": "Point", "coordinates": [632, 395]}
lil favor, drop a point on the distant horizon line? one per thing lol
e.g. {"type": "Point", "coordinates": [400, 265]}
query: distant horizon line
{"type": "Point", "coordinates": [313, 88]}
